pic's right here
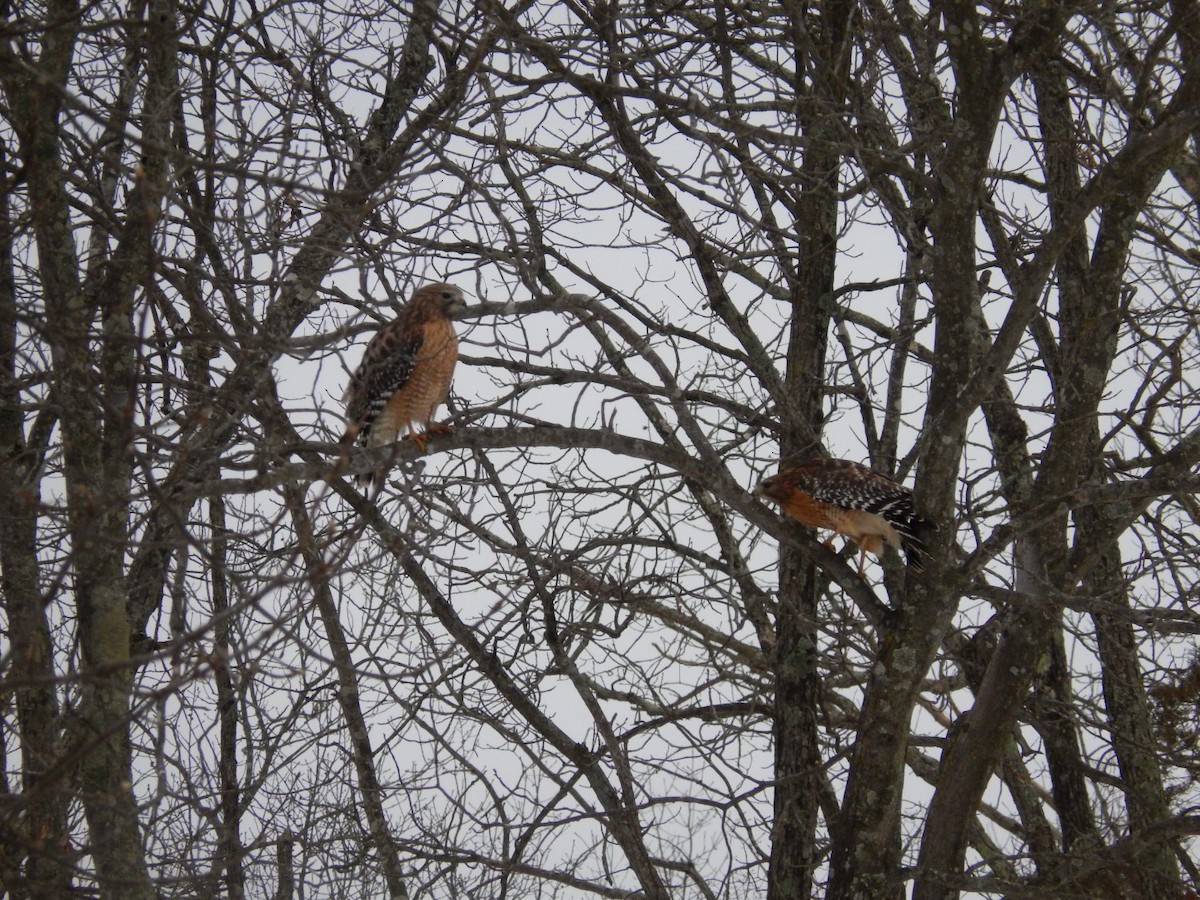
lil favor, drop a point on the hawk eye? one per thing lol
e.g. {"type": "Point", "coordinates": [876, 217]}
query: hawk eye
{"type": "Point", "coordinates": [447, 295]}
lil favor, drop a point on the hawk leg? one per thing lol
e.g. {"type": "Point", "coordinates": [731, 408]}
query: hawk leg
{"type": "Point", "coordinates": [420, 437]}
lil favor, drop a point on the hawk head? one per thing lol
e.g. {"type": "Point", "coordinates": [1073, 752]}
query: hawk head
{"type": "Point", "coordinates": [436, 300]}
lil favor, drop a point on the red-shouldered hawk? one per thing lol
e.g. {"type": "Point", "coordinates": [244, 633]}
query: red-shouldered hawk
{"type": "Point", "coordinates": [852, 500]}
{"type": "Point", "coordinates": [405, 372]}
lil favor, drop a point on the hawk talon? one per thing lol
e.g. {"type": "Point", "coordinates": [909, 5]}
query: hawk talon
{"type": "Point", "coordinates": [420, 438]}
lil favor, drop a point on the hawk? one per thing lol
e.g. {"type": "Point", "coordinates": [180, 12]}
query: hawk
{"type": "Point", "coordinates": [405, 372]}
{"type": "Point", "coordinates": [854, 501]}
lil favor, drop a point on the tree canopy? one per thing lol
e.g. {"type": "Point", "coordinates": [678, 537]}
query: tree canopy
{"type": "Point", "coordinates": [565, 651]}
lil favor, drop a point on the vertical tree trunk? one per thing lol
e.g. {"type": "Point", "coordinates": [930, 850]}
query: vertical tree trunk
{"type": "Point", "coordinates": [285, 887]}
{"type": "Point", "coordinates": [795, 727]}
{"type": "Point", "coordinates": [1049, 701]}
{"type": "Point", "coordinates": [229, 843]}
{"type": "Point", "coordinates": [42, 840]}
{"type": "Point", "coordinates": [1156, 872]}
{"type": "Point", "coordinates": [1050, 706]}
{"type": "Point", "coordinates": [795, 731]}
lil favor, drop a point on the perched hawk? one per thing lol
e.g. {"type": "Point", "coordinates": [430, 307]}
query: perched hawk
{"type": "Point", "coordinates": [405, 372]}
{"type": "Point", "coordinates": [854, 501]}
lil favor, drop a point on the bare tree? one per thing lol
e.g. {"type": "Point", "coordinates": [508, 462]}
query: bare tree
{"type": "Point", "coordinates": [564, 651]}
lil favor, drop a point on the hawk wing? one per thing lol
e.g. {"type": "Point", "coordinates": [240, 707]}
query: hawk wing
{"type": "Point", "coordinates": [386, 367]}
{"type": "Point", "coordinates": [850, 485]}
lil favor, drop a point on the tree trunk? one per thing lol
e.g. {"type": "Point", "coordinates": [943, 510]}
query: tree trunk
{"type": "Point", "coordinates": [42, 838]}
{"type": "Point", "coordinates": [1155, 871]}
{"type": "Point", "coordinates": [823, 57]}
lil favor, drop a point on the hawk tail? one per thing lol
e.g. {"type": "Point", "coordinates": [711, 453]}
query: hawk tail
{"type": "Point", "coordinates": [915, 533]}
